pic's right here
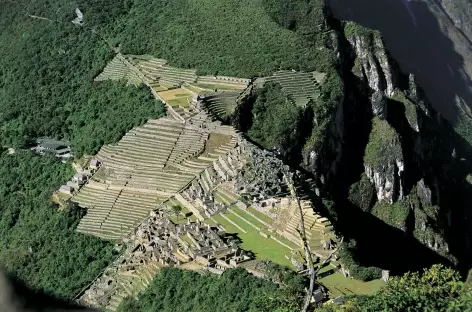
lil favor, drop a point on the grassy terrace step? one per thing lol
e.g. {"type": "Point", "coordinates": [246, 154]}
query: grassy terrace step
{"type": "Point", "coordinates": [153, 148]}
{"type": "Point", "coordinates": [144, 137]}
{"type": "Point", "coordinates": [232, 197]}
{"type": "Point", "coordinates": [158, 135]}
{"type": "Point", "coordinates": [137, 160]}
{"type": "Point", "coordinates": [142, 157]}
{"type": "Point", "coordinates": [247, 217]}
{"type": "Point", "coordinates": [159, 130]}
{"type": "Point", "coordinates": [221, 199]}
{"type": "Point", "coordinates": [137, 152]}
{"type": "Point", "coordinates": [163, 174]}
{"type": "Point", "coordinates": [151, 137]}
{"type": "Point", "coordinates": [263, 248]}
{"type": "Point", "coordinates": [210, 222]}
{"type": "Point", "coordinates": [260, 215]}
{"type": "Point", "coordinates": [147, 140]}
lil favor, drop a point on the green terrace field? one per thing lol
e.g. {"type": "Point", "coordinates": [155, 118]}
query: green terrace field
{"type": "Point", "coordinates": [184, 214]}
{"type": "Point", "coordinates": [339, 285]}
{"type": "Point", "coordinates": [219, 87]}
{"type": "Point", "coordinates": [260, 215]}
{"type": "Point", "coordinates": [263, 248]}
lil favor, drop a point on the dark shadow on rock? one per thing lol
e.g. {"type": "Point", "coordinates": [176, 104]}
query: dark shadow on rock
{"type": "Point", "coordinates": [414, 38]}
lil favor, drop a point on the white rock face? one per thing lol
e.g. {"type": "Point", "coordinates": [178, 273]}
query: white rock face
{"type": "Point", "coordinates": [375, 64]}
{"type": "Point", "coordinates": [387, 184]}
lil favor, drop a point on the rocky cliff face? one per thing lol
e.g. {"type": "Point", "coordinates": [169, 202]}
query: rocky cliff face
{"type": "Point", "coordinates": [400, 152]}
{"type": "Point", "coordinates": [459, 12]}
{"type": "Point", "coordinates": [372, 64]}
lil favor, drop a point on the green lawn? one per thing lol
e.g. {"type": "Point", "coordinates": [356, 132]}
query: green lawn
{"type": "Point", "coordinates": [199, 91]}
{"type": "Point", "coordinates": [183, 216]}
{"type": "Point", "coordinates": [246, 216]}
{"type": "Point", "coordinates": [285, 241]}
{"type": "Point", "coordinates": [209, 222]}
{"type": "Point", "coordinates": [263, 248]}
{"type": "Point", "coordinates": [182, 101]}
{"type": "Point", "coordinates": [340, 285]}
{"type": "Point", "coordinates": [221, 198]}
{"type": "Point", "coordinates": [260, 215]}
{"type": "Point", "coordinates": [186, 239]}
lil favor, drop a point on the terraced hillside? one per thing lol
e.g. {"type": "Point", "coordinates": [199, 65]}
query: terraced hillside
{"type": "Point", "coordinates": [301, 87]}
{"type": "Point", "coordinates": [184, 167]}
{"type": "Point", "coordinates": [116, 69]}
{"type": "Point", "coordinates": [149, 165]}
{"type": "Point", "coordinates": [223, 104]}
{"type": "Point", "coordinates": [158, 72]}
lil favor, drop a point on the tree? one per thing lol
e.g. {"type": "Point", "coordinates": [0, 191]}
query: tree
{"type": "Point", "coordinates": [176, 210]}
{"type": "Point", "coordinates": [436, 289]}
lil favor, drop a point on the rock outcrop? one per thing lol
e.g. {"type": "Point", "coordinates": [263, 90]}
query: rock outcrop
{"type": "Point", "coordinates": [383, 161]}
{"type": "Point", "coordinates": [372, 61]}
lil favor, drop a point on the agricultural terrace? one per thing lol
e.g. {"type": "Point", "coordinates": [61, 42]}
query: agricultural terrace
{"type": "Point", "coordinates": [264, 248]}
{"type": "Point", "coordinates": [116, 69]}
{"type": "Point", "coordinates": [300, 87]}
{"type": "Point", "coordinates": [144, 169]}
{"type": "Point", "coordinates": [156, 72]}
{"type": "Point", "coordinates": [339, 285]}
{"type": "Point", "coordinates": [176, 97]}
{"type": "Point", "coordinates": [222, 104]}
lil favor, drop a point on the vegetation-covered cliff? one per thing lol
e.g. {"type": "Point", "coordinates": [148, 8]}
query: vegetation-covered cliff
{"type": "Point", "coordinates": [393, 175]}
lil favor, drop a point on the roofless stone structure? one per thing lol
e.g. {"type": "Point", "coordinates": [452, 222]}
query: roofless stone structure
{"type": "Point", "coordinates": [190, 160]}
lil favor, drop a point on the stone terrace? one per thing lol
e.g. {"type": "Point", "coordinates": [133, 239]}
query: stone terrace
{"type": "Point", "coordinates": [301, 87]}
{"type": "Point", "coordinates": [159, 242]}
{"type": "Point", "coordinates": [156, 71]}
{"type": "Point", "coordinates": [149, 165]}
{"type": "Point", "coordinates": [223, 104]}
{"type": "Point", "coordinates": [117, 70]}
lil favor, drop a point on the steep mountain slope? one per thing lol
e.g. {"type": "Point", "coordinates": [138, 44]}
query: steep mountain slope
{"type": "Point", "coordinates": [392, 173]}
{"type": "Point", "coordinates": [408, 155]}
{"type": "Point", "coordinates": [459, 12]}
{"type": "Point", "coordinates": [422, 36]}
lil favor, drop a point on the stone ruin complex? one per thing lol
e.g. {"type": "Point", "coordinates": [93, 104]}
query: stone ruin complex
{"type": "Point", "coordinates": [156, 243]}
{"type": "Point", "coordinates": [191, 160]}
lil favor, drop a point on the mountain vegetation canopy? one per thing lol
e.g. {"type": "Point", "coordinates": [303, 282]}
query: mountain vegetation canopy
{"type": "Point", "coordinates": [47, 67]}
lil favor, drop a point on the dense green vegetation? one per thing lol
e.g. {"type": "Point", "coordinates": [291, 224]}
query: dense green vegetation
{"type": "Point", "coordinates": [228, 37]}
{"type": "Point", "coordinates": [384, 145]}
{"type": "Point", "coordinates": [357, 271]}
{"type": "Point", "coordinates": [362, 193]}
{"type": "Point", "coordinates": [108, 114]}
{"type": "Point", "coordinates": [46, 87]}
{"type": "Point", "coordinates": [235, 290]}
{"type": "Point", "coordinates": [393, 214]}
{"type": "Point", "coordinates": [275, 119]}
{"type": "Point", "coordinates": [38, 243]}
{"type": "Point", "coordinates": [46, 81]}
{"type": "Point", "coordinates": [436, 289]}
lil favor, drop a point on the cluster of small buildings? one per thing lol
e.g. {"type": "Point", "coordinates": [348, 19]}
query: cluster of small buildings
{"type": "Point", "coordinates": [79, 179]}
{"type": "Point", "coordinates": [173, 244]}
{"type": "Point", "coordinates": [60, 149]}
{"type": "Point", "coordinates": [160, 242]}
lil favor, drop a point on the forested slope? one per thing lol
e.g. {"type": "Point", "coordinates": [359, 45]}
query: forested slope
{"type": "Point", "coordinates": [235, 290]}
{"type": "Point", "coordinates": [236, 38]}
{"type": "Point", "coordinates": [38, 243]}
{"type": "Point", "coordinates": [47, 66]}
{"type": "Point", "coordinates": [46, 80]}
